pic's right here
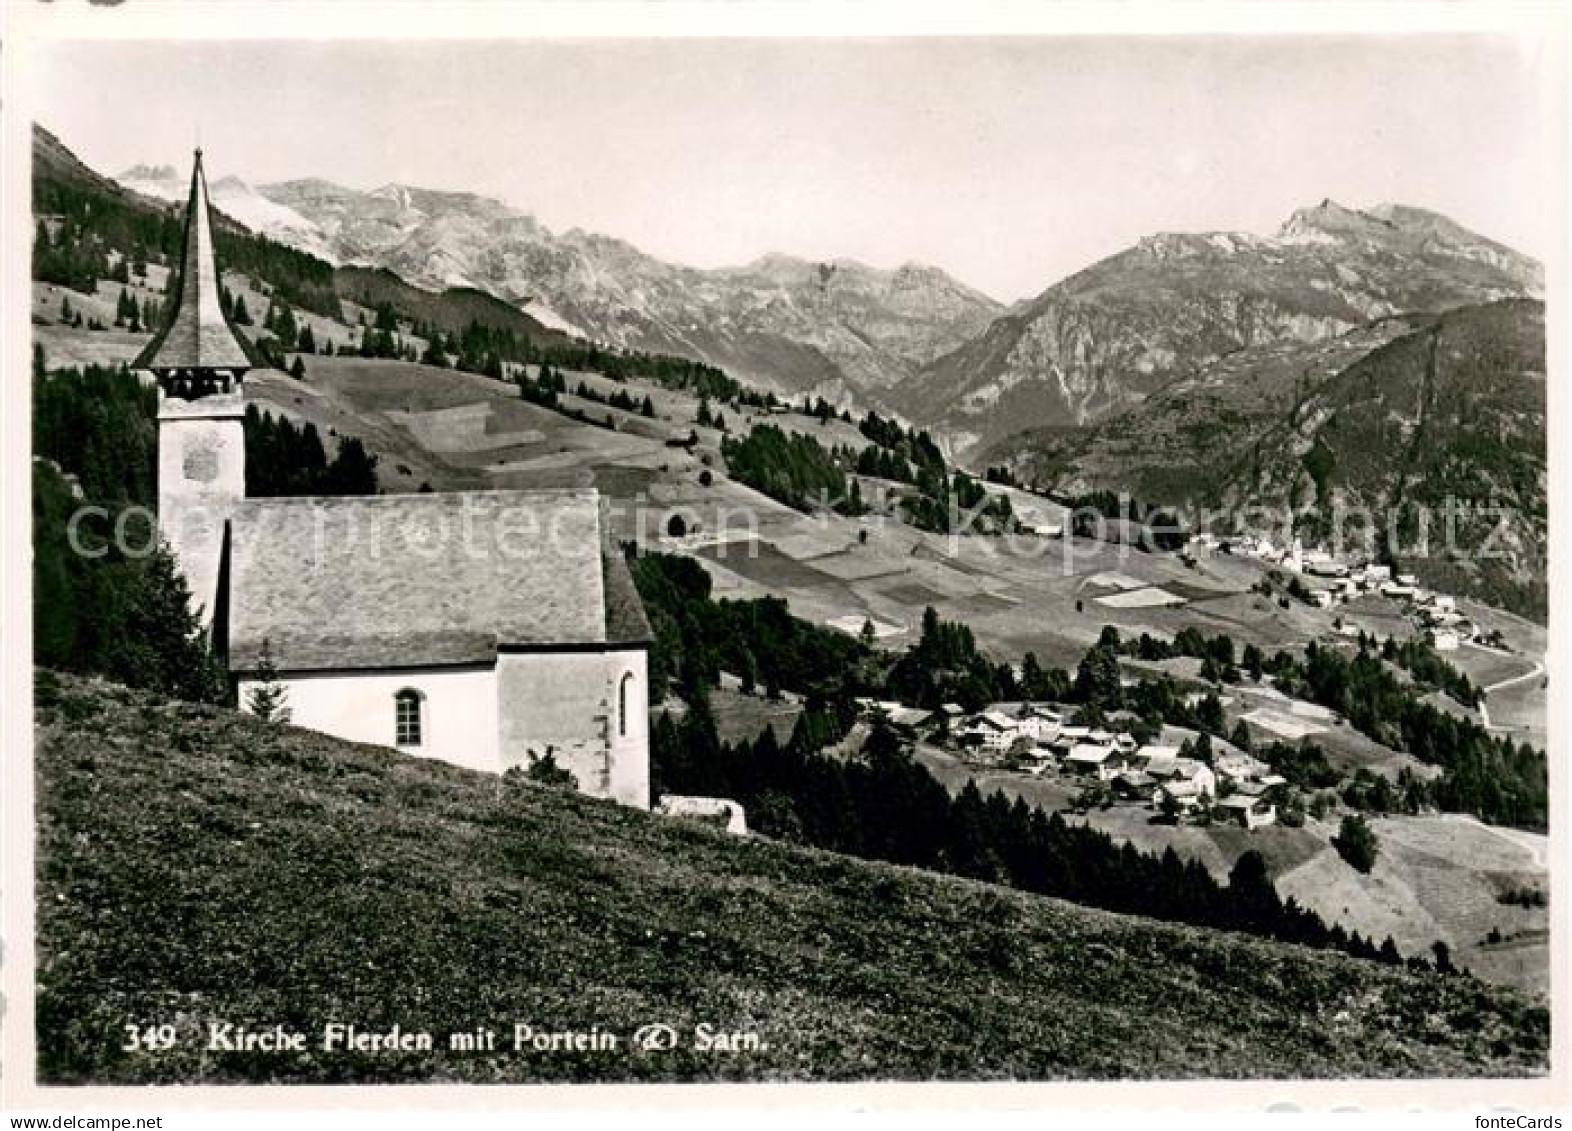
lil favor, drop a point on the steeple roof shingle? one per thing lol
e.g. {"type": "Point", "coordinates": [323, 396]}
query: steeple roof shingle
{"type": "Point", "coordinates": [196, 333]}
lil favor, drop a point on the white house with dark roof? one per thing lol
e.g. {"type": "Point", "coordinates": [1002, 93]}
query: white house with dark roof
{"type": "Point", "coordinates": [1251, 812]}
{"type": "Point", "coordinates": [487, 629]}
{"type": "Point", "coordinates": [1103, 761]}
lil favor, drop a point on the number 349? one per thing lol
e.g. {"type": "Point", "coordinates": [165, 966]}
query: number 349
{"type": "Point", "coordinates": [153, 1038]}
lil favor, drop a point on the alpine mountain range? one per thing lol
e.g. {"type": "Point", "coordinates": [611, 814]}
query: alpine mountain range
{"type": "Point", "coordinates": [1212, 368]}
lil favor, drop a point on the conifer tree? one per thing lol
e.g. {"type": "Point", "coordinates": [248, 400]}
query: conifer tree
{"type": "Point", "coordinates": [268, 700]}
{"type": "Point", "coordinates": [158, 640]}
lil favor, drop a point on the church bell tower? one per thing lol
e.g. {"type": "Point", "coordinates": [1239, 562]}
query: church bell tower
{"type": "Point", "coordinates": [199, 362]}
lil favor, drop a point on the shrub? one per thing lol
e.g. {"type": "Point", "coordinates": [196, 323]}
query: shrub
{"type": "Point", "coordinates": [543, 770]}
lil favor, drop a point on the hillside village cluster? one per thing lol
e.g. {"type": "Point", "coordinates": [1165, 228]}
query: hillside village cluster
{"type": "Point", "coordinates": [1040, 739]}
{"type": "Point", "coordinates": [1436, 612]}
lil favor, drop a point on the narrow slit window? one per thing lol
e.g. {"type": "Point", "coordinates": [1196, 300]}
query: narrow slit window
{"type": "Point", "coordinates": [407, 720]}
{"type": "Point", "coordinates": [622, 704]}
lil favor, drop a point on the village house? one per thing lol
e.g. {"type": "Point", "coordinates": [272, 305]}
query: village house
{"type": "Point", "coordinates": [1067, 739]}
{"type": "Point", "coordinates": [1100, 760]}
{"type": "Point", "coordinates": [1150, 753]}
{"type": "Point", "coordinates": [1251, 812]}
{"type": "Point", "coordinates": [1039, 723]}
{"type": "Point", "coordinates": [1326, 568]}
{"type": "Point", "coordinates": [1186, 779]}
{"type": "Point", "coordinates": [488, 629]}
{"type": "Point", "coordinates": [1237, 766]}
{"type": "Point", "coordinates": [994, 731]}
{"type": "Point", "coordinates": [1137, 784]}
{"type": "Point", "coordinates": [909, 719]}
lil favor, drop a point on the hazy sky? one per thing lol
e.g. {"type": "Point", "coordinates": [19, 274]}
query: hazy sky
{"type": "Point", "coordinates": [1008, 162]}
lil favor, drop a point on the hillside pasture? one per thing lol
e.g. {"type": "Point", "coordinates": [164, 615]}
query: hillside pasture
{"type": "Point", "coordinates": [1440, 877]}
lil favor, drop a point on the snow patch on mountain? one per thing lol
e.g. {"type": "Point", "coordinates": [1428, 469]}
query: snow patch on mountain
{"type": "Point", "coordinates": [237, 200]}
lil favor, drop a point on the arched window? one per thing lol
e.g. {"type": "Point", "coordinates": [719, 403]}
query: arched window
{"type": "Point", "coordinates": [408, 711]}
{"type": "Point", "coordinates": [622, 703]}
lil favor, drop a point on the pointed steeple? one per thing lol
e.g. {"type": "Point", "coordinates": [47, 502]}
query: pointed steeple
{"type": "Point", "coordinates": [196, 334]}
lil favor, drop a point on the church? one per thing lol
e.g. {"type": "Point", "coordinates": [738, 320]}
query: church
{"type": "Point", "coordinates": [489, 629]}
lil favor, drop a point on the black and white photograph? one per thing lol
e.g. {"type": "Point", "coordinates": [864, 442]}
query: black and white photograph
{"type": "Point", "coordinates": [686, 558]}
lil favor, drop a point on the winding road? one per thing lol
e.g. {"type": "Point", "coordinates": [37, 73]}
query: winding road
{"type": "Point", "coordinates": [1484, 710]}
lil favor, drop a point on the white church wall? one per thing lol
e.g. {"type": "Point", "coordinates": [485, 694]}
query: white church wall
{"type": "Point", "coordinates": [458, 718]}
{"type": "Point", "coordinates": [565, 704]}
{"type": "Point", "coordinates": [201, 473]}
{"type": "Point", "coordinates": [630, 749]}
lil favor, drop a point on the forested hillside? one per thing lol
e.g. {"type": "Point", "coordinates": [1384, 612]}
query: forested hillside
{"type": "Point", "coordinates": [1418, 417]}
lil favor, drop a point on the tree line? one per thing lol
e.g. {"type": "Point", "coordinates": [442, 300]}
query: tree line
{"type": "Point", "coordinates": [791, 468]}
{"type": "Point", "coordinates": [697, 637]}
{"type": "Point", "coordinates": [285, 459]}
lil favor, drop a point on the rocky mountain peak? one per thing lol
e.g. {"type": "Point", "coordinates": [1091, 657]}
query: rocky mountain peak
{"type": "Point", "coordinates": [1332, 220]}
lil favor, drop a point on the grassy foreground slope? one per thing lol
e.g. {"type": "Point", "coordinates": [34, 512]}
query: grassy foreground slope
{"type": "Point", "coordinates": [198, 866]}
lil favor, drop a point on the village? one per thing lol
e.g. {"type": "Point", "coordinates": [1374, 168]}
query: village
{"type": "Point", "coordinates": [1198, 779]}
{"type": "Point", "coordinates": [1338, 582]}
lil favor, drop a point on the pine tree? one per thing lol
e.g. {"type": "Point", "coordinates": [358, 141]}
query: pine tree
{"type": "Point", "coordinates": [268, 700]}
{"type": "Point", "coordinates": [242, 315]}
{"type": "Point", "coordinates": [158, 640]}
{"type": "Point", "coordinates": [297, 369]}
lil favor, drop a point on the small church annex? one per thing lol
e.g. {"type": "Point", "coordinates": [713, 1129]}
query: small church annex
{"type": "Point", "coordinates": [487, 629]}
